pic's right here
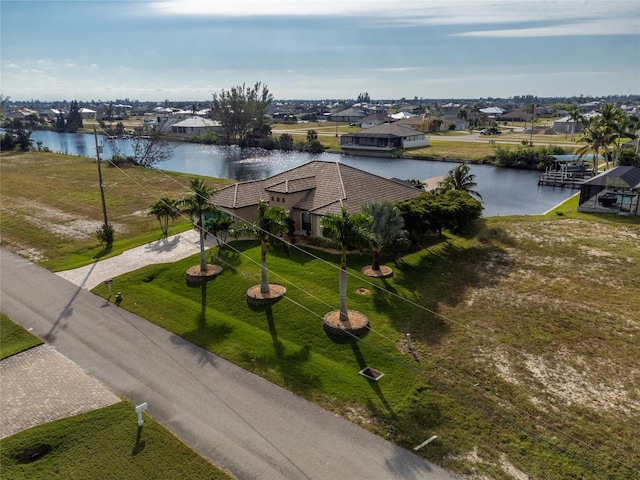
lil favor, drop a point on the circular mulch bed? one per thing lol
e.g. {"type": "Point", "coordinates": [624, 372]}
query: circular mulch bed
{"type": "Point", "coordinates": [194, 275]}
{"type": "Point", "coordinates": [358, 324]}
{"type": "Point", "coordinates": [363, 291]}
{"type": "Point", "coordinates": [256, 297]}
{"type": "Point", "coordinates": [384, 272]}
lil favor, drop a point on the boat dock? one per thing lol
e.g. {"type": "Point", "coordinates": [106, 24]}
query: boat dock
{"type": "Point", "coordinates": [560, 179]}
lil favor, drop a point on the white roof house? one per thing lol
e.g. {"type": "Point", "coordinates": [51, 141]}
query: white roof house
{"type": "Point", "coordinates": [195, 126]}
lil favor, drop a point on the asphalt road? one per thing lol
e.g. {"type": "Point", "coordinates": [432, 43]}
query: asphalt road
{"type": "Point", "coordinates": [248, 426]}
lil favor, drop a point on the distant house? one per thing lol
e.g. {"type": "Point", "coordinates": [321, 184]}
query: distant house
{"type": "Point", "coordinates": [564, 125]}
{"type": "Point", "coordinates": [387, 137]}
{"type": "Point", "coordinates": [311, 191]}
{"type": "Point", "coordinates": [353, 115]}
{"type": "Point", "coordinates": [616, 190]}
{"type": "Point", "coordinates": [195, 126]}
{"type": "Point", "coordinates": [374, 120]}
{"type": "Point", "coordinates": [87, 113]}
{"type": "Point", "coordinates": [22, 114]}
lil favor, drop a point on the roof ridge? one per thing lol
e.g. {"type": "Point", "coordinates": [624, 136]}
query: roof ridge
{"type": "Point", "coordinates": [344, 193]}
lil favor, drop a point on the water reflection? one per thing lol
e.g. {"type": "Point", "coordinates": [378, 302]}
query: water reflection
{"type": "Point", "coordinates": [504, 191]}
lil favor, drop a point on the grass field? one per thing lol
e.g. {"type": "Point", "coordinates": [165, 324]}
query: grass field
{"type": "Point", "coordinates": [524, 332]}
{"type": "Point", "coordinates": [51, 206]}
{"type": "Point", "coordinates": [14, 339]}
{"type": "Point", "coordinates": [104, 444]}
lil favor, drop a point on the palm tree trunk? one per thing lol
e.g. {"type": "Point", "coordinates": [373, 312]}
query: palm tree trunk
{"type": "Point", "coordinates": [203, 258]}
{"type": "Point", "coordinates": [264, 281]}
{"type": "Point", "coordinates": [344, 313]}
{"type": "Point", "coordinates": [376, 261]}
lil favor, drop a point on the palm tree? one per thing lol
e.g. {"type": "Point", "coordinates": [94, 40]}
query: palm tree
{"type": "Point", "coordinates": [596, 139]}
{"type": "Point", "coordinates": [459, 178]}
{"type": "Point", "coordinates": [271, 223]}
{"type": "Point", "coordinates": [387, 225]}
{"type": "Point", "coordinates": [164, 210]}
{"type": "Point", "coordinates": [349, 231]}
{"type": "Point", "coordinates": [575, 115]}
{"type": "Point", "coordinates": [463, 114]}
{"type": "Point", "coordinates": [198, 205]}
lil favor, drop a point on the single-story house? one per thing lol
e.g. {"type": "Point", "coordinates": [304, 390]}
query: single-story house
{"type": "Point", "coordinates": [87, 113]}
{"type": "Point", "coordinates": [353, 115]}
{"type": "Point", "coordinates": [386, 137]}
{"type": "Point", "coordinates": [374, 120]}
{"type": "Point", "coordinates": [615, 190]}
{"type": "Point", "coordinates": [565, 125]}
{"type": "Point", "coordinates": [311, 191]}
{"type": "Point", "coordinates": [195, 126]}
{"type": "Point", "coordinates": [22, 114]}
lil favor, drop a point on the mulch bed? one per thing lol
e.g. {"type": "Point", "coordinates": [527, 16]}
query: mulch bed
{"type": "Point", "coordinates": [194, 275]}
{"type": "Point", "coordinates": [384, 272]}
{"type": "Point", "coordinates": [357, 324]}
{"type": "Point", "coordinates": [256, 297]}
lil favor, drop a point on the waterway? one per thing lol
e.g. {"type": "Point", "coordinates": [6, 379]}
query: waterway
{"type": "Point", "coordinates": [504, 191]}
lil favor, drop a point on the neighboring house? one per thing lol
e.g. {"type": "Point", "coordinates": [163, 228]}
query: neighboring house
{"type": "Point", "coordinates": [311, 191]}
{"type": "Point", "coordinates": [195, 126]}
{"type": "Point", "coordinates": [402, 114]}
{"type": "Point", "coordinates": [416, 122]}
{"type": "Point", "coordinates": [353, 115]}
{"type": "Point", "coordinates": [615, 190]}
{"type": "Point", "coordinates": [374, 120]}
{"type": "Point", "coordinates": [563, 125]}
{"type": "Point", "coordinates": [492, 112]}
{"type": "Point", "coordinates": [87, 113]}
{"type": "Point", "coordinates": [22, 114]}
{"type": "Point", "coordinates": [387, 137]}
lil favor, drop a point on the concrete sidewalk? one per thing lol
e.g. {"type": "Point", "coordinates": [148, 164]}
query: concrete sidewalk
{"type": "Point", "coordinates": [166, 250]}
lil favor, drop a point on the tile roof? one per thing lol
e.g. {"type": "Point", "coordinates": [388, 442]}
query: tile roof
{"type": "Point", "coordinates": [328, 185]}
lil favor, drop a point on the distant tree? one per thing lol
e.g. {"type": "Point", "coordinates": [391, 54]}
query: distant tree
{"type": "Point", "coordinates": [314, 146]}
{"type": "Point", "coordinates": [628, 158]}
{"type": "Point", "coordinates": [164, 210]}
{"type": "Point", "coordinates": [575, 115]}
{"type": "Point", "coordinates": [364, 98]}
{"type": "Point", "coordinates": [312, 135]}
{"type": "Point", "coordinates": [151, 147]}
{"type": "Point", "coordinates": [241, 110]}
{"type": "Point", "coordinates": [73, 121]}
{"type": "Point", "coordinates": [285, 142]}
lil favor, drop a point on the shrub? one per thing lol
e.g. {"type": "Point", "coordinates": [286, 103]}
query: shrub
{"type": "Point", "coordinates": [105, 234]}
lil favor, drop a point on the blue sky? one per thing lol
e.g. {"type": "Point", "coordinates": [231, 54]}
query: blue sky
{"type": "Point", "coordinates": [318, 49]}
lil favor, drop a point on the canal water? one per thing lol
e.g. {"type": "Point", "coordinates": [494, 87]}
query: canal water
{"type": "Point", "coordinates": [504, 191]}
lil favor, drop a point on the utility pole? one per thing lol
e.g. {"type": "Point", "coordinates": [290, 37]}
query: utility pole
{"type": "Point", "coordinates": [104, 205]}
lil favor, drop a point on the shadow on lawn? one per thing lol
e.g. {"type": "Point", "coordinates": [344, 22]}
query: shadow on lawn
{"type": "Point", "coordinates": [291, 366]}
{"type": "Point", "coordinates": [444, 275]}
{"type": "Point", "coordinates": [206, 334]}
{"type": "Point", "coordinates": [355, 347]}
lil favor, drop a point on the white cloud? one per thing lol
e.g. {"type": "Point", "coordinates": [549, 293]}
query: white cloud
{"type": "Point", "coordinates": [432, 12]}
{"type": "Point", "coordinates": [617, 27]}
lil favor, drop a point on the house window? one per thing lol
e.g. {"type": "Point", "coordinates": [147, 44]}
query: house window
{"type": "Point", "coordinates": [306, 222]}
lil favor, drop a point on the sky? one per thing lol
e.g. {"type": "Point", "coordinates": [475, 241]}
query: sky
{"type": "Point", "coordinates": [183, 50]}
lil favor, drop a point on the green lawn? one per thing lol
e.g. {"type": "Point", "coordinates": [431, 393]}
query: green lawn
{"type": "Point", "coordinates": [104, 444]}
{"type": "Point", "coordinates": [481, 329]}
{"type": "Point", "coordinates": [14, 339]}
